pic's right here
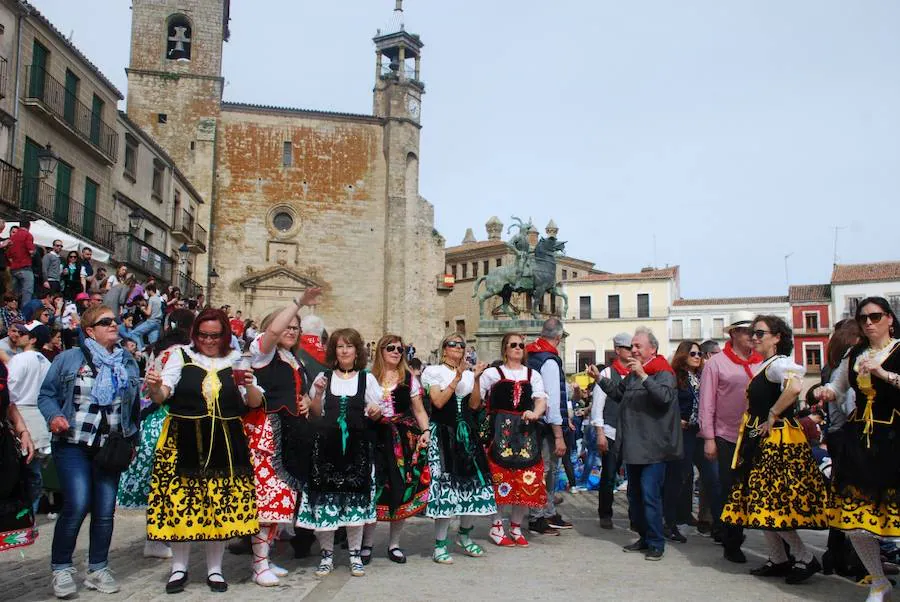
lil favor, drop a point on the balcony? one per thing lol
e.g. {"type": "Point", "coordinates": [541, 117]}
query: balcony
{"type": "Point", "coordinates": [59, 208]}
{"type": "Point", "coordinates": [143, 257]}
{"type": "Point", "coordinates": [187, 230]}
{"type": "Point", "coordinates": [189, 287]}
{"type": "Point", "coordinates": [10, 185]}
{"type": "Point", "coordinates": [625, 313]}
{"type": "Point", "coordinates": [820, 331]}
{"type": "Point", "coordinates": [51, 97]}
{"type": "Point", "coordinates": [4, 76]}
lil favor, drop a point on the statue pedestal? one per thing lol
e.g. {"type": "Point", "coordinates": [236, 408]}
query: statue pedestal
{"type": "Point", "coordinates": [490, 334]}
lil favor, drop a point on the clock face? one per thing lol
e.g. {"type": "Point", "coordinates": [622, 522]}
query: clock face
{"type": "Point", "coordinates": [412, 105]}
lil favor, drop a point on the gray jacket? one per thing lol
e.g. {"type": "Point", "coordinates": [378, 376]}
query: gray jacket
{"type": "Point", "coordinates": [51, 265]}
{"type": "Point", "coordinates": [649, 418]}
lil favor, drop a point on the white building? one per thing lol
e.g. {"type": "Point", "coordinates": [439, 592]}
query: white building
{"type": "Point", "coordinates": [851, 283]}
{"type": "Point", "coordinates": [704, 319]}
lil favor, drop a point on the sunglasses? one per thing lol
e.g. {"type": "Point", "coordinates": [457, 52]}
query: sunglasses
{"type": "Point", "coordinates": [455, 345]}
{"type": "Point", "coordinates": [695, 354]}
{"type": "Point", "coordinates": [392, 348]}
{"type": "Point", "coordinates": [105, 322]}
{"type": "Point", "coordinates": [758, 334]}
{"type": "Point", "coordinates": [516, 345]}
{"type": "Point", "coordinates": [874, 317]}
{"type": "Point", "coordinates": [209, 336]}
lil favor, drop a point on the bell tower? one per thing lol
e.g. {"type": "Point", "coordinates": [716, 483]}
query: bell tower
{"type": "Point", "coordinates": [398, 70]}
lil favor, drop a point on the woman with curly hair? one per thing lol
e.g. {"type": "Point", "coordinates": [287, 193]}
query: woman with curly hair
{"type": "Point", "coordinates": [778, 488]}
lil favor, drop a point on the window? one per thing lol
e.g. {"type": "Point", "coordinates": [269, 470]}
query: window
{"type": "Point", "coordinates": [852, 304]}
{"type": "Point", "coordinates": [148, 236]}
{"type": "Point", "coordinates": [461, 326]}
{"type": "Point", "coordinates": [499, 261]}
{"type": "Point", "coordinates": [811, 321]}
{"type": "Point", "coordinates": [474, 269]}
{"type": "Point", "coordinates": [38, 77]}
{"type": "Point", "coordinates": [565, 275]}
{"type": "Point", "coordinates": [677, 330]}
{"type": "Point", "coordinates": [63, 190]}
{"type": "Point", "coordinates": [718, 328]}
{"type": "Point", "coordinates": [178, 40]}
{"type": "Point", "coordinates": [584, 308]}
{"type": "Point", "coordinates": [613, 304]}
{"type": "Point", "coordinates": [643, 305]}
{"type": "Point", "coordinates": [162, 118]}
{"type": "Point", "coordinates": [96, 118]}
{"type": "Point", "coordinates": [283, 221]}
{"type": "Point", "coordinates": [487, 266]}
{"type": "Point", "coordinates": [71, 97]}
{"type": "Point", "coordinates": [131, 151]}
{"type": "Point", "coordinates": [583, 359]}
{"type": "Point", "coordinates": [695, 329]}
{"type": "Point", "coordinates": [574, 274]}
{"type": "Point", "coordinates": [287, 154]}
{"type": "Point", "coordinates": [157, 188]}
{"type": "Point", "coordinates": [453, 271]}
{"type": "Point", "coordinates": [90, 207]}
{"type": "Point", "coordinates": [465, 273]}
{"type": "Point", "coordinates": [813, 358]}
{"type": "Point", "coordinates": [894, 301]}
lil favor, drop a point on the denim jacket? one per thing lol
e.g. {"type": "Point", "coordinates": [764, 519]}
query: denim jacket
{"type": "Point", "coordinates": [57, 396]}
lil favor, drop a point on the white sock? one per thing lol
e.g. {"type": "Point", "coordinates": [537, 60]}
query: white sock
{"type": "Point", "coordinates": [800, 551]}
{"type": "Point", "coordinates": [326, 540]}
{"type": "Point", "coordinates": [369, 534]}
{"type": "Point", "coordinates": [776, 547]}
{"type": "Point", "coordinates": [354, 538]}
{"type": "Point", "coordinates": [441, 527]}
{"type": "Point", "coordinates": [396, 530]}
{"type": "Point", "coordinates": [181, 555]}
{"type": "Point", "coordinates": [518, 514]}
{"type": "Point", "coordinates": [215, 550]}
{"type": "Point", "coordinates": [260, 546]}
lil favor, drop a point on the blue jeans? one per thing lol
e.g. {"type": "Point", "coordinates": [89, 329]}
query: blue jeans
{"type": "Point", "coordinates": [709, 477]}
{"type": "Point", "coordinates": [35, 482]}
{"type": "Point", "coordinates": [23, 283]}
{"type": "Point", "coordinates": [589, 442]}
{"type": "Point", "coordinates": [148, 329]}
{"type": "Point", "coordinates": [85, 489]}
{"type": "Point", "coordinates": [645, 505]}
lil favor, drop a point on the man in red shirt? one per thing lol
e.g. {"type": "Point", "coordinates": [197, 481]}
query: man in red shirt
{"type": "Point", "coordinates": [237, 325]}
{"type": "Point", "coordinates": [19, 252]}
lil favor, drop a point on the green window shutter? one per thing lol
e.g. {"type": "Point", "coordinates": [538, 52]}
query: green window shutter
{"type": "Point", "coordinates": [96, 115]}
{"type": "Point", "coordinates": [90, 207]}
{"type": "Point", "coordinates": [38, 75]}
{"type": "Point", "coordinates": [63, 188]}
{"type": "Point", "coordinates": [31, 175]}
{"type": "Point", "coordinates": [71, 99]}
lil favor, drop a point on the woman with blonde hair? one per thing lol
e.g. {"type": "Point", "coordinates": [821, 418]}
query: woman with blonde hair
{"type": "Point", "coordinates": [460, 476]}
{"type": "Point", "coordinates": [401, 464]}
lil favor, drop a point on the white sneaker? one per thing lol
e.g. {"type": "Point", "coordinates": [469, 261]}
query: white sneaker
{"type": "Point", "coordinates": [64, 583]}
{"type": "Point", "coordinates": [102, 581]}
{"type": "Point", "coordinates": [157, 549]}
{"type": "Point", "coordinates": [622, 487]}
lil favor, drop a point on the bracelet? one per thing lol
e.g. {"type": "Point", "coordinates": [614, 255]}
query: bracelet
{"type": "Point", "coordinates": [297, 303]}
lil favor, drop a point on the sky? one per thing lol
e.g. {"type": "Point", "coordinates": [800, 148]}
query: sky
{"type": "Point", "coordinates": [731, 138]}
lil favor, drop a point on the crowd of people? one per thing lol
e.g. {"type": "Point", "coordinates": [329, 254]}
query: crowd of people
{"type": "Point", "coordinates": [225, 431]}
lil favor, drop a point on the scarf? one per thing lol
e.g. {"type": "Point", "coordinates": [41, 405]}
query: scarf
{"type": "Point", "coordinates": [111, 378]}
{"type": "Point", "coordinates": [541, 345]}
{"type": "Point", "coordinates": [619, 367]}
{"type": "Point", "coordinates": [312, 344]}
{"type": "Point", "coordinates": [656, 365]}
{"type": "Point", "coordinates": [754, 358]}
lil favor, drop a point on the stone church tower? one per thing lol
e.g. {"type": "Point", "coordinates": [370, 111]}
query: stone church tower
{"type": "Point", "coordinates": [297, 197]}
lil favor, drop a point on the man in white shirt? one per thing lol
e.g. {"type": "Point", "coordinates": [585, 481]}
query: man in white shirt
{"type": "Point", "coordinates": [605, 417]}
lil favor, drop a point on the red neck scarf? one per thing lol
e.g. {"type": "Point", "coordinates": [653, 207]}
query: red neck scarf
{"type": "Point", "coordinates": [656, 365]}
{"type": "Point", "coordinates": [312, 344]}
{"type": "Point", "coordinates": [754, 358]}
{"type": "Point", "coordinates": [541, 345]}
{"type": "Point", "coordinates": [619, 367]}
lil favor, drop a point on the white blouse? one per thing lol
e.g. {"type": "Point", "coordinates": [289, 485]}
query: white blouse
{"type": "Point", "coordinates": [441, 376]}
{"type": "Point", "coordinates": [258, 359]}
{"type": "Point", "coordinates": [348, 386]}
{"type": "Point", "coordinates": [171, 372]}
{"type": "Point", "coordinates": [491, 377]}
{"type": "Point", "coordinates": [782, 369]}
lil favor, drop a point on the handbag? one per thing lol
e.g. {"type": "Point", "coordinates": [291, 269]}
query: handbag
{"type": "Point", "coordinates": [516, 442]}
{"type": "Point", "coordinates": [116, 452]}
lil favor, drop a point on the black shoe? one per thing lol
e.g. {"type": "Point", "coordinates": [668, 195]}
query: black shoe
{"type": "Point", "coordinates": [217, 586]}
{"type": "Point", "coordinates": [541, 526]}
{"type": "Point", "coordinates": [704, 527]}
{"type": "Point", "coordinates": [674, 534]}
{"type": "Point", "coordinates": [801, 571]}
{"type": "Point", "coordinates": [176, 586]}
{"type": "Point", "coordinates": [827, 563]}
{"type": "Point", "coordinates": [735, 555]}
{"type": "Point", "coordinates": [396, 555]}
{"type": "Point", "coordinates": [717, 536]}
{"type": "Point", "coordinates": [302, 542]}
{"type": "Point", "coordinates": [366, 558]}
{"type": "Point", "coordinates": [557, 522]}
{"type": "Point", "coordinates": [242, 547]}
{"type": "Point", "coordinates": [638, 546]}
{"type": "Point", "coordinates": [771, 569]}
{"type": "Point", "coordinates": [606, 523]}
{"type": "Point", "coordinates": [653, 554]}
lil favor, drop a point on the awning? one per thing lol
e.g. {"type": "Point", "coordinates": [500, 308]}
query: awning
{"type": "Point", "coordinates": [45, 233]}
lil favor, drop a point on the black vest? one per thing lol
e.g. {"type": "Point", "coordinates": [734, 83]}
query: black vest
{"type": "Point", "coordinates": [401, 396]}
{"type": "Point", "coordinates": [611, 407]}
{"type": "Point", "coordinates": [762, 395]}
{"type": "Point", "coordinates": [188, 401]}
{"type": "Point", "coordinates": [283, 386]}
{"type": "Point", "coordinates": [510, 395]}
{"type": "Point", "coordinates": [355, 410]}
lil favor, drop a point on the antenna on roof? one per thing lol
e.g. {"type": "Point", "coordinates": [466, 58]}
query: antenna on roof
{"type": "Point", "coordinates": [836, 229]}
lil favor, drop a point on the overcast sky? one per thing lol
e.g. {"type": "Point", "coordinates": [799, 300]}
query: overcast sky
{"type": "Point", "coordinates": [731, 133]}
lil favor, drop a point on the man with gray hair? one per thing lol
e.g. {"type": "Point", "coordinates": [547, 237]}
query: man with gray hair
{"type": "Point", "coordinates": [543, 356]}
{"type": "Point", "coordinates": [650, 435]}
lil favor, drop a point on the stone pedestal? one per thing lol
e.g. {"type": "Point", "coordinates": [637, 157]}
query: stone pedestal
{"type": "Point", "coordinates": [490, 333]}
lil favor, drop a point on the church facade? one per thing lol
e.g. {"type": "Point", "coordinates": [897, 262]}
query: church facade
{"type": "Point", "coordinates": [294, 197]}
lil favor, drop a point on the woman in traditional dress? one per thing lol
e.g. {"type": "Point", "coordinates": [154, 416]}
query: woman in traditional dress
{"type": "Point", "coordinates": [134, 485]}
{"type": "Point", "coordinates": [460, 476]}
{"type": "Point", "coordinates": [778, 488]}
{"type": "Point", "coordinates": [401, 462]}
{"type": "Point", "coordinates": [16, 515]}
{"type": "Point", "coordinates": [340, 491]}
{"type": "Point", "coordinates": [866, 482]}
{"type": "Point", "coordinates": [277, 432]}
{"type": "Point", "coordinates": [201, 488]}
{"type": "Point", "coordinates": [516, 400]}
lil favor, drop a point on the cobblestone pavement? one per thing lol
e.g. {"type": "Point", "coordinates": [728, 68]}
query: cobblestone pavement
{"type": "Point", "coordinates": [585, 563]}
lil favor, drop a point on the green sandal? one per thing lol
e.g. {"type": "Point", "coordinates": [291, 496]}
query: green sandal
{"type": "Point", "coordinates": [441, 552]}
{"type": "Point", "coordinates": [471, 548]}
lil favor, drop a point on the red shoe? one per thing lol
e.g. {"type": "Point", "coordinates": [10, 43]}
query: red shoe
{"type": "Point", "coordinates": [499, 537]}
{"type": "Point", "coordinates": [515, 532]}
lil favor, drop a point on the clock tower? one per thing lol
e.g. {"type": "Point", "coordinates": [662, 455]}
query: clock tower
{"type": "Point", "coordinates": [398, 76]}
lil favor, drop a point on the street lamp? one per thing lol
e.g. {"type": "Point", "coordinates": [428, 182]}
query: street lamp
{"type": "Point", "coordinates": [135, 219]}
{"type": "Point", "coordinates": [213, 278]}
{"type": "Point", "coordinates": [47, 160]}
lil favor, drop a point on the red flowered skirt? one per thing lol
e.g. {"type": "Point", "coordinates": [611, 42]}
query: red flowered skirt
{"type": "Point", "coordinates": [274, 498]}
{"type": "Point", "coordinates": [518, 486]}
{"type": "Point", "coordinates": [403, 471]}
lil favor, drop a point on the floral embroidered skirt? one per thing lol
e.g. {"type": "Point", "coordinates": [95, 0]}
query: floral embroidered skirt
{"type": "Point", "coordinates": [519, 486]}
{"type": "Point", "coordinates": [402, 473]}
{"type": "Point", "coordinates": [778, 485]}
{"type": "Point", "coordinates": [458, 494]}
{"type": "Point", "coordinates": [275, 500]}
{"type": "Point", "coordinates": [201, 494]}
{"type": "Point", "coordinates": [134, 484]}
{"type": "Point", "coordinates": [16, 519]}
{"type": "Point", "coordinates": [330, 511]}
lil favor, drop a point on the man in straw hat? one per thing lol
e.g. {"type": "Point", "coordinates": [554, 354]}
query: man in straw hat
{"type": "Point", "coordinates": [723, 402]}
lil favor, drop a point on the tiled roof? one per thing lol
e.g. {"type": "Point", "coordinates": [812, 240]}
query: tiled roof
{"type": "Point", "coordinates": [663, 274]}
{"type": "Point", "coordinates": [34, 12]}
{"type": "Point", "coordinates": [244, 106]}
{"type": "Point", "coordinates": [884, 271]}
{"type": "Point", "coordinates": [480, 244]}
{"type": "Point", "coordinates": [731, 301]}
{"type": "Point", "coordinates": [809, 292]}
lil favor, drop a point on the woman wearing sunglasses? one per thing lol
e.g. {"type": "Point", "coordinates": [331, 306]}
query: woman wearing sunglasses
{"type": "Point", "coordinates": [866, 487]}
{"type": "Point", "coordinates": [201, 487]}
{"type": "Point", "coordinates": [777, 488]}
{"type": "Point", "coordinates": [73, 277]}
{"type": "Point", "coordinates": [276, 431]}
{"type": "Point", "coordinates": [89, 397]}
{"type": "Point", "coordinates": [401, 462]}
{"type": "Point", "coordinates": [460, 476]}
{"type": "Point", "coordinates": [516, 400]}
